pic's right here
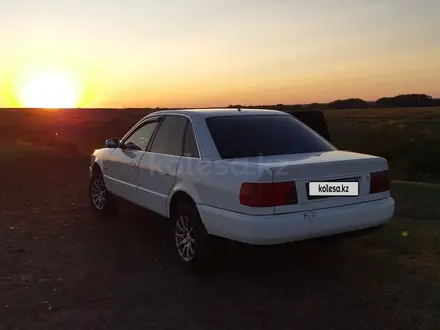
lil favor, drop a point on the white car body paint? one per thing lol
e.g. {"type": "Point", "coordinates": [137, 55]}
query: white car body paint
{"type": "Point", "coordinates": [214, 186]}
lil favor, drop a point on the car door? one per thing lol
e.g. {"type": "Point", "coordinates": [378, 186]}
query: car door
{"type": "Point", "coordinates": [121, 170]}
{"type": "Point", "coordinates": [158, 168]}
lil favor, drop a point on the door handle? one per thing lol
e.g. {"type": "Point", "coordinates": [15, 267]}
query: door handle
{"type": "Point", "coordinates": [133, 166]}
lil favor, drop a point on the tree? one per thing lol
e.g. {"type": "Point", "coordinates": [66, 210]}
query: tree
{"type": "Point", "coordinates": [353, 103]}
{"type": "Point", "coordinates": [405, 100]}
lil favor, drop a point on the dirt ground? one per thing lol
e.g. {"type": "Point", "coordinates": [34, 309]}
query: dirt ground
{"type": "Point", "coordinates": [63, 268]}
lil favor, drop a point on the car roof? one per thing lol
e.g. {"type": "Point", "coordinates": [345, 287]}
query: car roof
{"type": "Point", "coordinates": [206, 113]}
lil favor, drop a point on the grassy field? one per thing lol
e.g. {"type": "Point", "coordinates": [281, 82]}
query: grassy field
{"type": "Point", "coordinates": [404, 136]}
{"type": "Point", "coordinates": [407, 137]}
{"type": "Point", "coordinates": [62, 268]}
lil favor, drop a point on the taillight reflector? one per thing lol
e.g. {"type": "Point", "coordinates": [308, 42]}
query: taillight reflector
{"type": "Point", "coordinates": [379, 182]}
{"type": "Point", "coordinates": [268, 194]}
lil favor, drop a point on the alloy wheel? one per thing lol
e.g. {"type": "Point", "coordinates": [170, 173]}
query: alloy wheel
{"type": "Point", "coordinates": [185, 238]}
{"type": "Point", "coordinates": [99, 193]}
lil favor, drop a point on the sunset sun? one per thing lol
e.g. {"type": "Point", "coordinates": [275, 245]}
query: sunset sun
{"type": "Point", "coordinates": [49, 90]}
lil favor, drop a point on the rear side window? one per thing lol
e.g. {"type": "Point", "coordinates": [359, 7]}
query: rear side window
{"type": "Point", "coordinates": [169, 137]}
{"type": "Point", "coordinates": [263, 135]}
{"type": "Point", "coordinates": [190, 144]}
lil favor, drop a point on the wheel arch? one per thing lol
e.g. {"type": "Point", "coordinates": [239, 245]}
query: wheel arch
{"type": "Point", "coordinates": [96, 169]}
{"type": "Point", "coordinates": [96, 163]}
{"type": "Point", "coordinates": [177, 196]}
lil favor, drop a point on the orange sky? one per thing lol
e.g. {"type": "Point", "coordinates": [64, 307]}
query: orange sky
{"type": "Point", "coordinates": [194, 53]}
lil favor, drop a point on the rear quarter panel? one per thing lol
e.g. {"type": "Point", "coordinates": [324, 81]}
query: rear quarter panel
{"type": "Point", "coordinates": [217, 183]}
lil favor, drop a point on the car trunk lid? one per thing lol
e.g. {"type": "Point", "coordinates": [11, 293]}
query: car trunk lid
{"type": "Point", "coordinates": [325, 166]}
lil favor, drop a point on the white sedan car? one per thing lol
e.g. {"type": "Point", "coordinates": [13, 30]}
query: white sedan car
{"type": "Point", "coordinates": [254, 176]}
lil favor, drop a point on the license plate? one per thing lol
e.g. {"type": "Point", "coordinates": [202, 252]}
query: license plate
{"type": "Point", "coordinates": [333, 188]}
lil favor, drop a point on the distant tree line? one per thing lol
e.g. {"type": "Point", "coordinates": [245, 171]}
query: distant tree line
{"type": "Point", "coordinates": [403, 100]}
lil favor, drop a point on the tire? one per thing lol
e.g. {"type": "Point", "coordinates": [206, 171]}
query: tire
{"type": "Point", "coordinates": [191, 240]}
{"type": "Point", "coordinates": [101, 200]}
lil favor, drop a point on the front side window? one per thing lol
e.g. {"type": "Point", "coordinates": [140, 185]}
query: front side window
{"type": "Point", "coordinates": [139, 139]}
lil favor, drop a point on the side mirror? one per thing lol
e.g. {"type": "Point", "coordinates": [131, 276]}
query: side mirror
{"type": "Point", "coordinates": [130, 146]}
{"type": "Point", "coordinates": [112, 143]}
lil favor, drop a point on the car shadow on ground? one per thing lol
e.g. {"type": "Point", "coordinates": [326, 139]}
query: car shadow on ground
{"type": "Point", "coordinates": [146, 231]}
{"type": "Point", "coordinates": [122, 272]}
{"type": "Point", "coordinates": [240, 281]}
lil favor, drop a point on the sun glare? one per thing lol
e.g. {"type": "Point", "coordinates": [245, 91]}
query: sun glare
{"type": "Point", "coordinates": [49, 90]}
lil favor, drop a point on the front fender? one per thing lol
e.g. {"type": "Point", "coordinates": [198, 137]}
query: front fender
{"type": "Point", "coordinates": [99, 157]}
{"type": "Point", "coordinates": [98, 162]}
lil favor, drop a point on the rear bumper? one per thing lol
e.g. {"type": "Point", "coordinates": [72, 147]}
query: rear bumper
{"type": "Point", "coordinates": [283, 228]}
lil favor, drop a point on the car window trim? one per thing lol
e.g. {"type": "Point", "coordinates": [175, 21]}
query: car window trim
{"type": "Point", "coordinates": [181, 149]}
{"type": "Point", "coordinates": [188, 123]}
{"type": "Point", "coordinates": [141, 124]}
{"type": "Point", "coordinates": [155, 135]}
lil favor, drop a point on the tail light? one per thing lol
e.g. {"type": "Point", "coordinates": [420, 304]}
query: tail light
{"type": "Point", "coordinates": [379, 182]}
{"type": "Point", "coordinates": [268, 194]}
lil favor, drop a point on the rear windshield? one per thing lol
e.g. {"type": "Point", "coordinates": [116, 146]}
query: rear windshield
{"type": "Point", "coordinates": [263, 135]}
